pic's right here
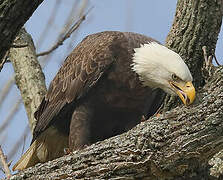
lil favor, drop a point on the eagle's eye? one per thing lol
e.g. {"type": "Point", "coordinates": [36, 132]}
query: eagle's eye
{"type": "Point", "coordinates": [174, 77]}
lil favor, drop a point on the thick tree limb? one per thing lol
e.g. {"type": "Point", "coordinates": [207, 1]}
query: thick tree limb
{"type": "Point", "coordinates": [177, 145]}
{"type": "Point", "coordinates": [28, 74]}
{"type": "Point", "coordinates": [13, 15]}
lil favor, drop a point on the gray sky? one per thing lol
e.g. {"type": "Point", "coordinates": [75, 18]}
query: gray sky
{"type": "Point", "coordinates": [149, 17]}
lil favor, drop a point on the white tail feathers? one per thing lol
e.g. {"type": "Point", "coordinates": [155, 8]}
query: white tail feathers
{"type": "Point", "coordinates": [28, 159]}
{"type": "Point", "coordinates": [49, 145]}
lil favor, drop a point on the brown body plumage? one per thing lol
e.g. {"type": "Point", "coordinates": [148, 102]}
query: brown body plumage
{"type": "Point", "coordinates": [95, 95]}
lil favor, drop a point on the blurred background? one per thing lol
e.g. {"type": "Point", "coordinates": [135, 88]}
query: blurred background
{"type": "Point", "coordinates": [49, 23]}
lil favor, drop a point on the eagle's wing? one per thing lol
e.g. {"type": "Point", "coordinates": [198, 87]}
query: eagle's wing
{"type": "Point", "coordinates": [80, 72]}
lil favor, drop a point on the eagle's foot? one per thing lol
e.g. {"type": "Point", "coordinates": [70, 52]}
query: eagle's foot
{"type": "Point", "coordinates": [143, 118]}
{"type": "Point", "coordinates": [157, 114]}
{"type": "Point", "coordinates": [67, 151]}
{"type": "Point", "coordinates": [159, 111]}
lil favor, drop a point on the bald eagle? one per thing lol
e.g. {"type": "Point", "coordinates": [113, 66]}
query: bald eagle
{"type": "Point", "coordinates": [109, 81]}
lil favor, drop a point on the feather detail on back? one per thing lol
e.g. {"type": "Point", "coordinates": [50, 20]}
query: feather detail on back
{"type": "Point", "coordinates": [79, 73]}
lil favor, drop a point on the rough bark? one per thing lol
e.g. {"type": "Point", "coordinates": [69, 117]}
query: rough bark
{"type": "Point", "coordinates": [28, 73]}
{"type": "Point", "coordinates": [177, 145]}
{"type": "Point", "coordinates": [196, 24]}
{"type": "Point", "coordinates": [13, 15]}
{"type": "Point", "coordinates": [217, 165]}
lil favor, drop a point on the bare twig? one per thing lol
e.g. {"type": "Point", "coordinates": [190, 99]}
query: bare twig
{"type": "Point", "coordinates": [207, 59]}
{"type": "Point", "coordinates": [204, 48]}
{"type": "Point", "coordinates": [5, 90]}
{"type": "Point", "coordinates": [44, 61]}
{"type": "Point", "coordinates": [208, 66]}
{"type": "Point", "coordinates": [49, 23]}
{"type": "Point", "coordinates": [4, 163]}
{"type": "Point", "coordinates": [216, 60]}
{"type": "Point", "coordinates": [66, 36]}
{"type": "Point", "coordinates": [4, 60]}
{"type": "Point", "coordinates": [10, 115]}
{"type": "Point", "coordinates": [1, 169]}
{"type": "Point", "coordinates": [24, 140]}
{"type": "Point", "coordinates": [79, 14]}
{"type": "Point", "coordinates": [19, 142]}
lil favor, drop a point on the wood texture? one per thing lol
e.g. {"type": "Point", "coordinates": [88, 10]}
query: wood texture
{"type": "Point", "coordinates": [13, 15]}
{"type": "Point", "coordinates": [28, 74]}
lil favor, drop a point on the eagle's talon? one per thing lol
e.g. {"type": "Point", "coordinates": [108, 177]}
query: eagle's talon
{"type": "Point", "coordinates": [67, 151]}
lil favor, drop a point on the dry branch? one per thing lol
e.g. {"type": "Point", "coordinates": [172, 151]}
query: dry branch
{"type": "Point", "coordinates": [18, 143]}
{"type": "Point", "coordinates": [66, 36]}
{"type": "Point", "coordinates": [4, 163]}
{"type": "Point", "coordinates": [177, 145]}
{"type": "Point", "coordinates": [5, 90]}
{"type": "Point", "coordinates": [216, 60]}
{"type": "Point", "coordinates": [3, 61]}
{"type": "Point", "coordinates": [49, 23]}
{"type": "Point", "coordinates": [13, 15]}
{"type": "Point", "coordinates": [28, 74]}
{"type": "Point", "coordinates": [5, 123]}
{"type": "Point", "coordinates": [80, 12]}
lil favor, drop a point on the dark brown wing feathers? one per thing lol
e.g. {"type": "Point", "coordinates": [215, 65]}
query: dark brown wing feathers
{"type": "Point", "coordinates": [80, 71]}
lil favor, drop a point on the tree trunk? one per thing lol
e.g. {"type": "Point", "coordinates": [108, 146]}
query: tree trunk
{"type": "Point", "coordinates": [177, 145]}
{"type": "Point", "coordinates": [196, 24]}
{"type": "Point", "coordinates": [28, 74]}
{"type": "Point", "coordinates": [13, 15]}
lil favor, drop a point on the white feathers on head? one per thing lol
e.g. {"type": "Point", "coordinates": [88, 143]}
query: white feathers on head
{"type": "Point", "coordinates": [155, 64]}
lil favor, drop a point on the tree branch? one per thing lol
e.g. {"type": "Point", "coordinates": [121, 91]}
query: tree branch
{"type": "Point", "coordinates": [4, 163]}
{"type": "Point", "coordinates": [28, 74]}
{"type": "Point", "coordinates": [13, 15]}
{"type": "Point", "coordinates": [177, 145]}
{"type": "Point", "coordinates": [66, 36]}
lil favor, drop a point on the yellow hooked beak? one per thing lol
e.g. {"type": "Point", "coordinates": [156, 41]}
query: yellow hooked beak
{"type": "Point", "coordinates": [185, 91]}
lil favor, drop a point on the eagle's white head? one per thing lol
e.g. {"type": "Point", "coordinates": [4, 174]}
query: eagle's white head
{"type": "Point", "coordinates": [160, 67]}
